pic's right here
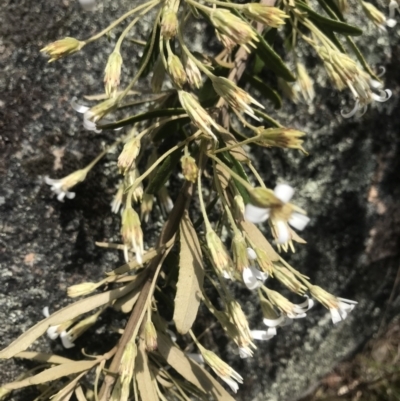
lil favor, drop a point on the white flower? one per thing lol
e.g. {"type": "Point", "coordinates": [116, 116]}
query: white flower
{"type": "Point", "coordinates": [52, 331]}
{"type": "Point", "coordinates": [263, 335]}
{"type": "Point", "coordinates": [363, 95]}
{"type": "Point", "coordinates": [87, 115]}
{"type": "Point", "coordinates": [253, 278]}
{"type": "Point", "coordinates": [57, 188]}
{"type": "Point", "coordinates": [66, 339]}
{"type": "Point", "coordinates": [393, 6]}
{"type": "Point", "coordinates": [245, 352]}
{"type": "Point", "coordinates": [279, 220]}
{"type": "Point", "coordinates": [282, 320]}
{"type": "Point", "coordinates": [345, 306]}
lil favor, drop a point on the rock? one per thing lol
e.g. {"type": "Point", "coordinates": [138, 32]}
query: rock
{"type": "Point", "coordinates": [349, 184]}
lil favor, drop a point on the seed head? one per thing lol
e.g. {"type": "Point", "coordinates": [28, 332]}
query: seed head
{"type": "Point", "coordinates": [282, 138]}
{"type": "Point", "coordinates": [132, 233]}
{"type": "Point", "coordinates": [62, 48]}
{"type": "Point", "coordinates": [219, 254]}
{"type": "Point", "coordinates": [189, 168]}
{"type": "Point", "coordinates": [150, 336]}
{"type": "Point", "coordinates": [128, 155]}
{"type": "Point", "coordinates": [193, 73]}
{"type": "Point", "coordinates": [176, 71]}
{"type": "Point", "coordinates": [239, 248]}
{"type": "Point", "coordinates": [267, 15]}
{"type": "Point", "coordinates": [113, 73]}
{"type": "Point", "coordinates": [239, 31]}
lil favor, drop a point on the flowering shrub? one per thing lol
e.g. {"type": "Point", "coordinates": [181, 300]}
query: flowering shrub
{"type": "Point", "coordinates": [205, 121]}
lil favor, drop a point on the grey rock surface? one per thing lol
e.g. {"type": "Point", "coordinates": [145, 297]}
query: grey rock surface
{"type": "Point", "coordinates": [349, 184]}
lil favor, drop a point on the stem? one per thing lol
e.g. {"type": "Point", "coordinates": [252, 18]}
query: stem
{"type": "Point", "coordinates": [119, 20]}
{"type": "Point", "coordinates": [235, 145]}
{"type": "Point", "coordinates": [129, 27]}
{"type": "Point", "coordinates": [257, 175]}
{"type": "Point", "coordinates": [232, 173]}
{"type": "Point", "coordinates": [144, 65]}
{"type": "Point", "coordinates": [160, 159]}
{"type": "Point", "coordinates": [202, 206]}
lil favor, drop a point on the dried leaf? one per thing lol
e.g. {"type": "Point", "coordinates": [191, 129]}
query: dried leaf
{"type": "Point", "coordinates": [67, 313]}
{"type": "Point", "coordinates": [259, 240]}
{"type": "Point", "coordinates": [238, 152]}
{"type": "Point", "coordinates": [191, 277]}
{"type": "Point", "coordinates": [79, 394]}
{"type": "Point", "coordinates": [126, 303]}
{"type": "Point", "coordinates": [223, 176]}
{"type": "Point", "coordinates": [42, 357]}
{"type": "Point", "coordinates": [66, 393]}
{"type": "Point", "coordinates": [54, 373]}
{"type": "Point", "coordinates": [190, 370]}
{"type": "Point", "coordinates": [144, 378]}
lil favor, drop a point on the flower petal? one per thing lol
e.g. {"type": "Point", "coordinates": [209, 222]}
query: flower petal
{"type": "Point", "coordinates": [255, 214]}
{"type": "Point", "coordinates": [262, 335]}
{"type": "Point", "coordinates": [274, 322]}
{"type": "Point", "coordinates": [80, 108]}
{"type": "Point", "coordinates": [251, 254]}
{"type": "Point", "coordinates": [284, 192]}
{"type": "Point", "coordinates": [352, 112]}
{"type": "Point", "coordinates": [66, 340]}
{"type": "Point", "coordinates": [282, 232]}
{"type": "Point", "coordinates": [52, 332]}
{"type": "Point", "coordinates": [298, 221]}
{"type": "Point", "coordinates": [250, 279]}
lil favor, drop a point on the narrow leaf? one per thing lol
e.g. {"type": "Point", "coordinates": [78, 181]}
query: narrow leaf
{"type": "Point", "coordinates": [144, 378]}
{"type": "Point", "coordinates": [54, 373]}
{"type": "Point", "coordinates": [190, 370]}
{"type": "Point", "coordinates": [151, 47]}
{"type": "Point", "coordinates": [332, 24]}
{"type": "Point", "coordinates": [259, 240]}
{"type": "Point", "coordinates": [191, 277]}
{"type": "Point", "coordinates": [42, 357]}
{"type": "Point", "coordinates": [264, 89]}
{"type": "Point", "coordinates": [69, 312]}
{"type": "Point", "coordinates": [163, 172]}
{"type": "Point", "coordinates": [126, 303]}
{"type": "Point", "coordinates": [66, 393]}
{"type": "Point", "coordinates": [143, 116]}
{"type": "Point", "coordinates": [272, 60]}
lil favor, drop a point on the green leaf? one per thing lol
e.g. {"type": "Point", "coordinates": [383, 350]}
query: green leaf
{"type": "Point", "coordinates": [272, 60]}
{"type": "Point", "coordinates": [361, 58]}
{"type": "Point", "coordinates": [191, 276]}
{"type": "Point", "coordinates": [155, 51]}
{"type": "Point", "coordinates": [328, 23]}
{"type": "Point", "coordinates": [331, 9]}
{"type": "Point", "coordinates": [144, 116]}
{"type": "Point", "coordinates": [264, 89]}
{"type": "Point", "coordinates": [163, 172]}
{"type": "Point", "coordinates": [267, 118]}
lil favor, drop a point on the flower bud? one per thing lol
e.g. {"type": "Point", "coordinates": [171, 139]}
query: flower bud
{"type": "Point", "coordinates": [113, 73]}
{"type": "Point", "coordinates": [374, 15]}
{"type": "Point", "coordinates": [288, 308]}
{"type": "Point", "coordinates": [282, 138]}
{"type": "Point", "coordinates": [304, 84]}
{"type": "Point", "coordinates": [239, 208]}
{"type": "Point", "coordinates": [222, 369]}
{"type": "Point", "coordinates": [289, 280]}
{"type": "Point", "coordinates": [132, 233]}
{"type": "Point", "coordinates": [236, 29]}
{"type": "Point", "coordinates": [264, 197]}
{"type": "Point", "coordinates": [61, 187]}
{"type": "Point", "coordinates": [169, 24]}
{"type": "Point", "coordinates": [150, 336]}
{"type": "Point", "coordinates": [127, 364]}
{"type": "Point", "coordinates": [176, 71]}
{"type": "Point", "coordinates": [189, 168]}
{"type": "Point", "coordinates": [146, 206]}
{"type": "Point", "coordinates": [239, 248]}
{"type": "Point", "coordinates": [193, 73]}
{"type": "Point", "coordinates": [219, 254]}
{"type": "Point", "coordinates": [97, 112]}
{"type": "Point", "coordinates": [264, 261]}
{"type": "Point", "coordinates": [267, 15]}
{"type": "Point", "coordinates": [128, 155]}
{"type": "Point", "coordinates": [130, 179]}
{"type": "Point", "coordinates": [62, 48]}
